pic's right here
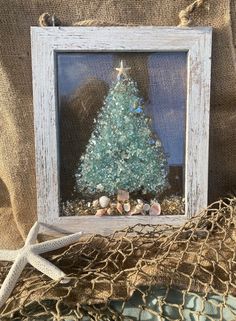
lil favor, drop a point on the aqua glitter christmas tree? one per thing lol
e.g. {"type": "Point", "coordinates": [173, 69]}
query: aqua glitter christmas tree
{"type": "Point", "coordinates": [122, 152]}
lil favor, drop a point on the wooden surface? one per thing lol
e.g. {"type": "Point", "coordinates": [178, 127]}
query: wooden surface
{"type": "Point", "coordinates": [47, 41]}
{"type": "Point", "coordinates": [106, 225]}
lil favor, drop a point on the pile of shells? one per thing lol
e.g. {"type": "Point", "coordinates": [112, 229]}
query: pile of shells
{"type": "Point", "coordinates": [125, 206]}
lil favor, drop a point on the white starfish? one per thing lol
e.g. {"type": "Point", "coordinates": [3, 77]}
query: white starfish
{"type": "Point", "coordinates": [122, 70]}
{"type": "Point", "coordinates": [29, 253]}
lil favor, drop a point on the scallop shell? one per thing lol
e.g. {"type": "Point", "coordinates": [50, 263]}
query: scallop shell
{"type": "Point", "coordinates": [155, 209]}
{"type": "Point", "coordinates": [104, 201]}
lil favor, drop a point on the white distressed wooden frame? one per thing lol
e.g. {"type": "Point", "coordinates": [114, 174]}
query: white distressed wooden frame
{"type": "Point", "coordinates": [47, 41]}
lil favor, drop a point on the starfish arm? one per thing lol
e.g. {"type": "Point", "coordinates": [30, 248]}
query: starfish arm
{"type": "Point", "coordinates": [45, 267]}
{"type": "Point", "coordinates": [33, 233]}
{"type": "Point", "coordinates": [8, 255]}
{"type": "Point", "coordinates": [11, 279]}
{"type": "Point", "coordinates": [56, 244]}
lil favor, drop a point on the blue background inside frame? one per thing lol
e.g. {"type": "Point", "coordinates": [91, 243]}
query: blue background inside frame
{"type": "Point", "coordinates": [167, 90]}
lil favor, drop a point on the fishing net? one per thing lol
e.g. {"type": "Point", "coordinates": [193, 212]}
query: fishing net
{"type": "Point", "coordinates": [145, 272]}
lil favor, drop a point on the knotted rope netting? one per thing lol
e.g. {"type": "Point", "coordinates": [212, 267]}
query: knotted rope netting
{"type": "Point", "coordinates": [145, 272]}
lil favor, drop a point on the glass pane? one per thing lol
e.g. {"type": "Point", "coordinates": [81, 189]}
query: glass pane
{"type": "Point", "coordinates": [122, 132]}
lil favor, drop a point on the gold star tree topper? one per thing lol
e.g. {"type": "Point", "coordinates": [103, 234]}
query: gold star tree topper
{"type": "Point", "coordinates": [122, 71]}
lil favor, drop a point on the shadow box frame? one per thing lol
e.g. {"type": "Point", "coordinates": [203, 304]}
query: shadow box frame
{"type": "Point", "coordinates": [46, 42]}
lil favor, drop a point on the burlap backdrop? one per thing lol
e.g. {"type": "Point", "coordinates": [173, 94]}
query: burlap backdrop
{"type": "Point", "coordinates": [17, 176]}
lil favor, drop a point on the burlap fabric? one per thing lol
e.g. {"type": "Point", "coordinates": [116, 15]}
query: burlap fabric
{"type": "Point", "coordinates": [17, 176]}
{"type": "Point", "coordinates": [197, 257]}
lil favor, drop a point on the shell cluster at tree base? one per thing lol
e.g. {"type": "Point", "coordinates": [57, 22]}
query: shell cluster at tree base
{"type": "Point", "coordinates": [124, 204]}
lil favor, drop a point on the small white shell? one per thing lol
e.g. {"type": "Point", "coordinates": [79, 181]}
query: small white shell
{"type": "Point", "coordinates": [126, 207]}
{"type": "Point", "coordinates": [140, 201]}
{"type": "Point", "coordinates": [104, 201]}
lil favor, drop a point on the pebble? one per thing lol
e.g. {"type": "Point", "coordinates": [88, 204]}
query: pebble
{"type": "Point", "coordinates": [104, 201]}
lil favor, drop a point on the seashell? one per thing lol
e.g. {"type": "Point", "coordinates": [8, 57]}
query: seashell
{"type": "Point", "coordinates": [104, 201]}
{"type": "Point", "coordinates": [138, 209]}
{"type": "Point", "coordinates": [126, 207]}
{"type": "Point", "coordinates": [95, 203]}
{"type": "Point", "coordinates": [122, 195]}
{"type": "Point", "coordinates": [146, 207]}
{"type": "Point", "coordinates": [155, 209]}
{"type": "Point", "coordinates": [119, 208]}
{"type": "Point", "coordinates": [139, 201]}
{"type": "Point", "coordinates": [132, 212]}
{"type": "Point", "coordinates": [110, 211]}
{"type": "Point", "coordinates": [113, 205]}
{"type": "Point", "coordinates": [101, 212]}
